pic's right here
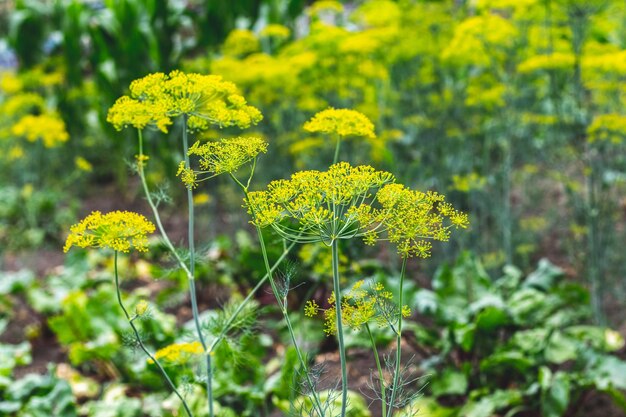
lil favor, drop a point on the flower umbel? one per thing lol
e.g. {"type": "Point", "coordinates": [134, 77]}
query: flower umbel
{"type": "Point", "coordinates": [320, 206]}
{"type": "Point", "coordinates": [49, 128]}
{"type": "Point", "coordinates": [343, 122]}
{"type": "Point", "coordinates": [414, 217]}
{"type": "Point", "coordinates": [179, 353]}
{"type": "Point", "coordinates": [205, 99]}
{"type": "Point", "coordinates": [360, 305]}
{"type": "Point", "coordinates": [118, 230]}
{"type": "Point", "coordinates": [227, 155]}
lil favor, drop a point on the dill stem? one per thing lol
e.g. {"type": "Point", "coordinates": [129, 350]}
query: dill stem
{"type": "Point", "coordinates": [140, 342]}
{"type": "Point", "coordinates": [396, 372]}
{"type": "Point", "coordinates": [381, 376]}
{"type": "Point", "coordinates": [342, 349]}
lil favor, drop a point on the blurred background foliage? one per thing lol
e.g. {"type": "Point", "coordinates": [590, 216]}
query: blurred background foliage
{"type": "Point", "coordinates": [513, 108]}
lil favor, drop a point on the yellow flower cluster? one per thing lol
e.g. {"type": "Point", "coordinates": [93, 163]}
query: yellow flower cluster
{"type": "Point", "coordinates": [118, 230]}
{"type": "Point", "coordinates": [321, 6]}
{"type": "Point", "coordinates": [227, 155]}
{"type": "Point", "coordinates": [22, 103]}
{"type": "Point", "coordinates": [10, 83]}
{"type": "Point", "coordinates": [275, 31]}
{"type": "Point", "coordinates": [179, 353]}
{"type": "Point", "coordinates": [359, 306]}
{"type": "Point", "coordinates": [342, 122]}
{"type": "Point", "coordinates": [412, 217]}
{"type": "Point", "coordinates": [346, 202]}
{"type": "Point", "coordinates": [204, 99]}
{"type": "Point", "coordinates": [324, 205]}
{"type": "Point", "coordinates": [240, 42]}
{"type": "Point", "coordinates": [479, 40]}
{"type": "Point", "coordinates": [607, 127]}
{"type": "Point", "coordinates": [469, 182]}
{"type": "Point", "coordinates": [83, 164]}
{"type": "Point", "coordinates": [49, 128]}
{"type": "Point", "coordinates": [552, 62]}
{"type": "Point", "coordinates": [188, 176]}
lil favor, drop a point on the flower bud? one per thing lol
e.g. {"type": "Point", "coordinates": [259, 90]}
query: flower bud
{"type": "Point", "coordinates": [141, 307]}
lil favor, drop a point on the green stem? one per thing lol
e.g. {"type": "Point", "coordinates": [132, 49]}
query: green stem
{"type": "Point", "coordinates": [140, 342]}
{"type": "Point", "coordinates": [192, 280]}
{"type": "Point", "coordinates": [381, 376]}
{"type": "Point", "coordinates": [342, 349]}
{"type": "Point", "coordinates": [396, 371]}
{"type": "Point", "coordinates": [337, 146]}
{"type": "Point", "coordinates": [245, 301]}
{"type": "Point", "coordinates": [283, 309]}
{"type": "Point", "coordinates": [155, 211]}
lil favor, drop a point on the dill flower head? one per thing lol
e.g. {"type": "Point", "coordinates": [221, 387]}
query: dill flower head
{"type": "Point", "coordinates": [551, 62]}
{"type": "Point", "coordinates": [10, 82]}
{"type": "Point", "coordinates": [118, 230]}
{"type": "Point", "coordinates": [204, 99]}
{"type": "Point", "coordinates": [179, 353]}
{"type": "Point", "coordinates": [321, 6]}
{"type": "Point", "coordinates": [412, 218]}
{"type": "Point", "coordinates": [83, 164]}
{"type": "Point", "coordinates": [343, 122]}
{"type": "Point", "coordinates": [227, 155]}
{"type": "Point", "coordinates": [275, 31]}
{"type": "Point", "coordinates": [362, 304]}
{"type": "Point", "coordinates": [219, 157]}
{"type": "Point", "coordinates": [478, 39]}
{"type": "Point", "coordinates": [607, 127]}
{"type": "Point", "coordinates": [240, 42]}
{"type": "Point", "coordinates": [19, 104]}
{"type": "Point", "coordinates": [49, 128]}
{"type": "Point", "coordinates": [320, 206]}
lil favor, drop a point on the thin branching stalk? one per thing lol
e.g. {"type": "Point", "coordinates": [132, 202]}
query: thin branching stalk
{"type": "Point", "coordinates": [396, 373]}
{"type": "Point", "coordinates": [183, 265]}
{"type": "Point", "coordinates": [140, 342]}
{"type": "Point", "coordinates": [381, 376]}
{"type": "Point", "coordinates": [155, 210]}
{"type": "Point", "coordinates": [283, 308]}
{"type": "Point", "coordinates": [192, 280]}
{"type": "Point", "coordinates": [245, 301]}
{"type": "Point", "coordinates": [342, 349]}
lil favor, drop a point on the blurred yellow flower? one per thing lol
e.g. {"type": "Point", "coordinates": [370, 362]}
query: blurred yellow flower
{"type": "Point", "coordinates": [82, 164]}
{"type": "Point", "coordinates": [342, 122]}
{"type": "Point", "coordinates": [49, 128]}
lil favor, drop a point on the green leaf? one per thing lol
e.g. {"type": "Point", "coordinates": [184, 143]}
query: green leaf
{"type": "Point", "coordinates": [12, 356]}
{"type": "Point", "coordinates": [545, 276]}
{"type": "Point", "coordinates": [507, 360]}
{"type": "Point", "coordinates": [492, 318]}
{"type": "Point", "coordinates": [449, 382]}
{"type": "Point", "coordinates": [555, 398]}
{"type": "Point", "coordinates": [464, 335]}
{"type": "Point", "coordinates": [12, 282]}
{"type": "Point", "coordinates": [561, 348]}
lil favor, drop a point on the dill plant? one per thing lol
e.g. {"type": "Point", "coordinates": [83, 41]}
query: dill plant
{"type": "Point", "coordinates": [344, 202]}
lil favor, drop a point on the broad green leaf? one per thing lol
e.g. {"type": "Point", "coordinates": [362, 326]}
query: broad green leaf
{"type": "Point", "coordinates": [555, 398]}
{"type": "Point", "coordinates": [491, 318]}
{"type": "Point", "coordinates": [464, 335]}
{"type": "Point", "coordinates": [561, 348]}
{"type": "Point", "coordinates": [506, 360]}
{"type": "Point", "coordinates": [449, 382]}
{"type": "Point", "coordinates": [545, 276]}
